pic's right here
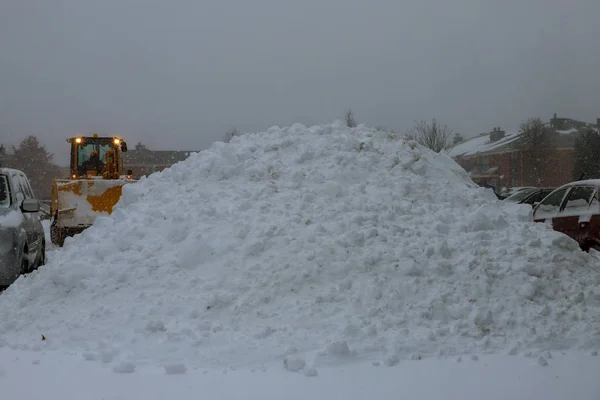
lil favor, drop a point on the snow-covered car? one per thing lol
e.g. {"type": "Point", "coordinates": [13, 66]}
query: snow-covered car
{"type": "Point", "coordinates": [531, 196]}
{"type": "Point", "coordinates": [22, 240]}
{"type": "Point", "coordinates": [573, 209]}
{"type": "Point", "coordinates": [507, 192]}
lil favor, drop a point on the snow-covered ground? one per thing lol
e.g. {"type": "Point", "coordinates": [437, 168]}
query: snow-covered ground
{"type": "Point", "coordinates": [34, 376]}
{"type": "Point", "coordinates": [322, 249]}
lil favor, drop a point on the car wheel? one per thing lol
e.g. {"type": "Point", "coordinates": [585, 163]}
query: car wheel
{"type": "Point", "coordinates": [24, 261]}
{"type": "Point", "coordinates": [54, 234]}
{"type": "Point", "coordinates": [586, 246]}
{"type": "Point", "coordinates": [42, 258]}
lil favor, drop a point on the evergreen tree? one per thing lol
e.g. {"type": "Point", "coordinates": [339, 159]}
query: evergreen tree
{"type": "Point", "coordinates": [32, 158]}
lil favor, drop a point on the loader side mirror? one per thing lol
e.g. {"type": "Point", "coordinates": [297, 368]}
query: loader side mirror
{"type": "Point", "coordinates": [30, 206]}
{"type": "Point", "coordinates": [124, 147]}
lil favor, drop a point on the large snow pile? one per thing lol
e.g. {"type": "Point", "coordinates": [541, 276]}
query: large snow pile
{"type": "Point", "coordinates": [346, 242]}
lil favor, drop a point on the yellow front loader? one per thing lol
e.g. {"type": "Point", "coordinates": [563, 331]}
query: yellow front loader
{"type": "Point", "coordinates": [93, 187]}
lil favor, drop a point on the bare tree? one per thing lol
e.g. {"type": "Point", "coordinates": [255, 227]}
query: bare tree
{"type": "Point", "coordinates": [433, 136]}
{"type": "Point", "coordinates": [537, 145]}
{"type": "Point", "coordinates": [350, 121]}
{"type": "Point", "coordinates": [229, 135]}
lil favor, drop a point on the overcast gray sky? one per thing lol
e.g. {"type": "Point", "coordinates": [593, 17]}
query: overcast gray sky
{"type": "Point", "coordinates": [177, 74]}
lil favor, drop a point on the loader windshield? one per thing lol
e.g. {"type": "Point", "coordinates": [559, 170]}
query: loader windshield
{"type": "Point", "coordinates": [4, 197]}
{"type": "Point", "coordinates": [87, 153]}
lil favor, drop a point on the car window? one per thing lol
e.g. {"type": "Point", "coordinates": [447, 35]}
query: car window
{"type": "Point", "coordinates": [518, 196]}
{"type": "Point", "coordinates": [27, 187]}
{"type": "Point", "coordinates": [579, 199]}
{"type": "Point", "coordinates": [4, 192]}
{"type": "Point", "coordinates": [539, 196]}
{"type": "Point", "coordinates": [551, 204]}
{"type": "Point", "coordinates": [535, 198]}
{"type": "Point", "coordinates": [594, 203]}
{"type": "Point", "coordinates": [22, 186]}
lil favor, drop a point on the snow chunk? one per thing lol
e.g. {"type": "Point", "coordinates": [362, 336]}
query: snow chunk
{"type": "Point", "coordinates": [156, 326]}
{"type": "Point", "coordinates": [175, 369]}
{"type": "Point", "coordinates": [124, 368]}
{"type": "Point", "coordinates": [339, 349]}
{"type": "Point", "coordinates": [294, 364]}
{"type": "Point", "coordinates": [392, 360]}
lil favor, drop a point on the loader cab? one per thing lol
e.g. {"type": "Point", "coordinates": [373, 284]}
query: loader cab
{"type": "Point", "coordinates": [96, 157]}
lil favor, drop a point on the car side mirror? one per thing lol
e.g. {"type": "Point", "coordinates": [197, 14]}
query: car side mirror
{"type": "Point", "coordinates": [124, 147]}
{"type": "Point", "coordinates": [30, 206]}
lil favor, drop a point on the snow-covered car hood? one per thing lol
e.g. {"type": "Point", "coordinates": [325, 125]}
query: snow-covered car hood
{"type": "Point", "coordinates": [9, 218]}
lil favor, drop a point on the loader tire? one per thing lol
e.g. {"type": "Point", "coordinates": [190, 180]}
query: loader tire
{"type": "Point", "coordinates": [57, 235]}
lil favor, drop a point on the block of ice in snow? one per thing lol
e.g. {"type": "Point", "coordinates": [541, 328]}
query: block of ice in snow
{"type": "Point", "coordinates": [392, 360]}
{"type": "Point", "coordinates": [124, 368]}
{"type": "Point", "coordinates": [294, 364]}
{"type": "Point", "coordinates": [339, 349]}
{"type": "Point", "coordinates": [155, 326]}
{"type": "Point", "coordinates": [175, 369]}
{"type": "Point", "coordinates": [487, 217]}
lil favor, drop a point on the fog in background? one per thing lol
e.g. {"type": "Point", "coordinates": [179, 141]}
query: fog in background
{"type": "Point", "coordinates": [178, 74]}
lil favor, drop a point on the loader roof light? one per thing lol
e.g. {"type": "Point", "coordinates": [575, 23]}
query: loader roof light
{"type": "Point", "coordinates": [117, 141]}
{"type": "Point", "coordinates": [78, 140]}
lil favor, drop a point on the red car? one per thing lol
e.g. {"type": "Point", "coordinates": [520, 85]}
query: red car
{"type": "Point", "coordinates": [573, 209]}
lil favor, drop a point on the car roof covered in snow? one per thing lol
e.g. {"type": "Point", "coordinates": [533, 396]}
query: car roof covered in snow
{"type": "Point", "coordinates": [587, 182]}
{"type": "Point", "coordinates": [6, 171]}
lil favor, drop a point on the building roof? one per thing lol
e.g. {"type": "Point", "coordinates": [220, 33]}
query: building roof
{"type": "Point", "coordinates": [482, 144]}
{"type": "Point", "coordinates": [565, 138]}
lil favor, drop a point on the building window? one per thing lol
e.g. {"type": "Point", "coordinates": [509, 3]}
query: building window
{"type": "Point", "coordinates": [513, 168]}
{"type": "Point", "coordinates": [485, 163]}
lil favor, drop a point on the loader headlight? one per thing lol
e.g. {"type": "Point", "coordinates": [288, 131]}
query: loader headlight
{"type": "Point", "coordinates": [73, 176]}
{"type": "Point", "coordinates": [117, 141]}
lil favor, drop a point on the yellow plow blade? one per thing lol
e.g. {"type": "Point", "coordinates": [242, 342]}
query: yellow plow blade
{"type": "Point", "coordinates": [79, 202]}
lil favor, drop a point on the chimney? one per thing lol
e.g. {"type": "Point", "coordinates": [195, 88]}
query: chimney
{"type": "Point", "coordinates": [496, 134]}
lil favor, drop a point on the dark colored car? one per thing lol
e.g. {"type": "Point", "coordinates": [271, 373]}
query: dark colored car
{"type": "Point", "coordinates": [531, 196]}
{"type": "Point", "coordinates": [22, 239]}
{"type": "Point", "coordinates": [573, 209]}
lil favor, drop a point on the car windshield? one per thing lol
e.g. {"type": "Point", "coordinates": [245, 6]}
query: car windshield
{"type": "Point", "coordinates": [520, 195]}
{"type": "Point", "coordinates": [4, 195]}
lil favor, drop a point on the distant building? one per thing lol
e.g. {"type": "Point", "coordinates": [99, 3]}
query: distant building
{"type": "Point", "coordinates": [497, 158]}
{"type": "Point", "coordinates": [143, 162]}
